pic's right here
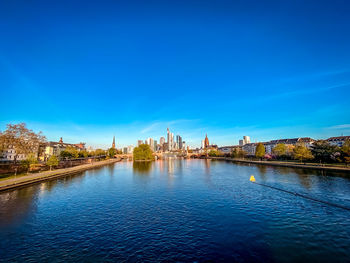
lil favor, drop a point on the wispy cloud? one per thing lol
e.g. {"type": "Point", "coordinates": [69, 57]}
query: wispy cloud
{"type": "Point", "coordinates": [339, 127]}
{"type": "Point", "coordinates": [300, 92]}
{"type": "Point", "coordinates": [317, 75]}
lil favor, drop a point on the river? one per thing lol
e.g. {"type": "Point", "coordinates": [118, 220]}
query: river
{"type": "Point", "coordinates": [178, 210]}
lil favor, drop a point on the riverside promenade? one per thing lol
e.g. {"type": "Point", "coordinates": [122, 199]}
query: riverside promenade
{"type": "Point", "coordinates": [287, 164]}
{"type": "Point", "coordinates": [25, 180]}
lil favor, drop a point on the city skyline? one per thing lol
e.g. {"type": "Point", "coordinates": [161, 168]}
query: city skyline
{"type": "Point", "coordinates": [224, 69]}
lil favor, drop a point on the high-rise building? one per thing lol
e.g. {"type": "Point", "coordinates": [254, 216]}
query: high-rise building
{"type": "Point", "coordinates": [162, 141]}
{"type": "Point", "coordinates": [125, 150]}
{"type": "Point", "coordinates": [150, 142]}
{"type": "Point", "coordinates": [179, 142]}
{"type": "Point", "coordinates": [171, 144]}
{"type": "Point", "coordinates": [168, 138]}
{"type": "Point", "coordinates": [130, 149]}
{"type": "Point", "coordinates": [113, 143]}
{"type": "Point", "coordinates": [139, 142]}
{"type": "Point", "coordinates": [246, 140]}
{"type": "Point", "coordinates": [165, 147]}
{"type": "Point", "coordinates": [202, 144]}
{"type": "Point", "coordinates": [155, 145]}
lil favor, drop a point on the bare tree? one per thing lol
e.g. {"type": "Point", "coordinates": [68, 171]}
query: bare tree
{"type": "Point", "coordinates": [21, 139]}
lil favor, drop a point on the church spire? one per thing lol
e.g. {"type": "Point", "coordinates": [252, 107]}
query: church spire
{"type": "Point", "coordinates": [206, 141]}
{"type": "Point", "coordinates": [113, 144]}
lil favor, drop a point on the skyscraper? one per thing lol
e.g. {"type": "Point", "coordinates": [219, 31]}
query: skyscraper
{"type": "Point", "coordinates": [246, 139]}
{"type": "Point", "coordinates": [162, 141]}
{"type": "Point", "coordinates": [179, 141]}
{"type": "Point", "coordinates": [155, 145]}
{"type": "Point", "coordinates": [170, 136]}
{"type": "Point", "coordinates": [139, 142]}
{"type": "Point", "coordinates": [130, 149]}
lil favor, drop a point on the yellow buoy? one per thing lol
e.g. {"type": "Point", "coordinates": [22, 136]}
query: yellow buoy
{"type": "Point", "coordinates": [252, 178]}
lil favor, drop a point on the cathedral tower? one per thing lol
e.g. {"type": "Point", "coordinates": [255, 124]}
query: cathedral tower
{"type": "Point", "coordinates": [113, 144]}
{"type": "Point", "coordinates": [206, 142]}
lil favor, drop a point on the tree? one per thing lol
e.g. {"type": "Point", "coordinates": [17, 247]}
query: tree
{"type": "Point", "coordinates": [73, 152]}
{"type": "Point", "coordinates": [280, 150]}
{"type": "Point", "coordinates": [143, 153]}
{"type": "Point", "coordinates": [21, 139]}
{"type": "Point", "coordinates": [301, 152]}
{"type": "Point", "coordinates": [29, 161]}
{"type": "Point", "coordinates": [52, 161]}
{"type": "Point", "coordinates": [100, 152]}
{"type": "Point", "coordinates": [238, 153]}
{"type": "Point", "coordinates": [213, 153]}
{"type": "Point", "coordinates": [83, 154]}
{"type": "Point", "coordinates": [324, 152]}
{"type": "Point", "coordinates": [65, 154]}
{"type": "Point", "coordinates": [70, 152]}
{"type": "Point", "coordinates": [345, 149]}
{"type": "Point", "coordinates": [260, 151]}
{"type": "Point", "coordinates": [111, 152]}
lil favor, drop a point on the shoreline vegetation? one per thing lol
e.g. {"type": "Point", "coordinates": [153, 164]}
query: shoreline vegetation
{"type": "Point", "coordinates": [314, 166]}
{"type": "Point", "coordinates": [25, 180]}
{"type": "Point", "coordinates": [143, 153]}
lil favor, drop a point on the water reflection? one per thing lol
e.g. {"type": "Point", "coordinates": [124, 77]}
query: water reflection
{"type": "Point", "coordinates": [262, 171]}
{"type": "Point", "coordinates": [204, 194]}
{"type": "Point", "coordinates": [207, 166]}
{"type": "Point", "coordinates": [143, 168]}
{"type": "Point", "coordinates": [16, 205]}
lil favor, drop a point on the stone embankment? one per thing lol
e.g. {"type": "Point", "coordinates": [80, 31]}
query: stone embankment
{"type": "Point", "coordinates": [287, 164]}
{"type": "Point", "coordinates": [26, 180]}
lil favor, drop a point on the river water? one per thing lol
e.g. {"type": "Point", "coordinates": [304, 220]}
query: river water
{"type": "Point", "coordinates": [178, 210]}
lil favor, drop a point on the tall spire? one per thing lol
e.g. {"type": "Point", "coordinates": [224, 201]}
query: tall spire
{"type": "Point", "coordinates": [206, 141]}
{"type": "Point", "coordinates": [113, 144]}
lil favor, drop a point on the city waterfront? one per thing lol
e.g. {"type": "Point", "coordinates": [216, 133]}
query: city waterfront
{"type": "Point", "coordinates": [178, 210]}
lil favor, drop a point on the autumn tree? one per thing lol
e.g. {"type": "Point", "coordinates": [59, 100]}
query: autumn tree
{"type": "Point", "coordinates": [238, 153]}
{"type": "Point", "coordinates": [301, 152]}
{"type": "Point", "coordinates": [29, 162]}
{"type": "Point", "coordinates": [111, 152]}
{"type": "Point", "coordinates": [280, 150]}
{"type": "Point", "coordinates": [83, 154]}
{"type": "Point", "coordinates": [52, 161]}
{"type": "Point", "coordinates": [213, 153]}
{"type": "Point", "coordinates": [143, 153]}
{"type": "Point", "coordinates": [324, 152]}
{"type": "Point", "coordinates": [21, 139]}
{"type": "Point", "coordinates": [345, 149]}
{"type": "Point", "coordinates": [260, 151]}
{"type": "Point", "coordinates": [100, 152]}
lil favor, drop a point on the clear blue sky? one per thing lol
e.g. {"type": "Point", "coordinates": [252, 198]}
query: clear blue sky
{"type": "Point", "coordinates": [88, 70]}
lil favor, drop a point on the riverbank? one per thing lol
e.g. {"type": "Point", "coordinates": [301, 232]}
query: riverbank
{"type": "Point", "coordinates": [26, 180]}
{"type": "Point", "coordinates": [286, 164]}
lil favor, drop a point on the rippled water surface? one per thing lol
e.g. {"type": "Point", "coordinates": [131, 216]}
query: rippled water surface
{"type": "Point", "coordinates": [178, 210]}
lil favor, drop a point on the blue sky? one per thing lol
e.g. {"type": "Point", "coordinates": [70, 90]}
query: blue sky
{"type": "Point", "coordinates": [88, 70]}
